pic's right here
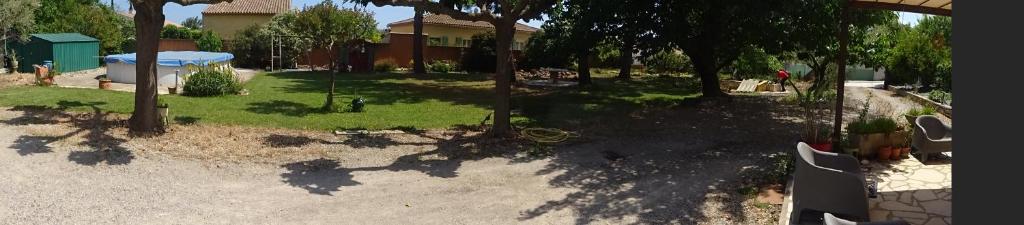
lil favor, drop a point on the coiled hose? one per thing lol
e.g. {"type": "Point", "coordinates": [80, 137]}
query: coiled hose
{"type": "Point", "coordinates": [547, 135]}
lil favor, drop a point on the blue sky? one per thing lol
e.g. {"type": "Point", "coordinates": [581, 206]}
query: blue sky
{"type": "Point", "coordinates": [384, 15]}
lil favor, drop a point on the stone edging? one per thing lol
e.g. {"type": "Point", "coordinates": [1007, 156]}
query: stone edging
{"type": "Point", "coordinates": [941, 108]}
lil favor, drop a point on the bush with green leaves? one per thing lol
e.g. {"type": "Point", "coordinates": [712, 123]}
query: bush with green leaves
{"type": "Point", "coordinates": [386, 65]}
{"type": "Point", "coordinates": [668, 62]}
{"type": "Point", "coordinates": [251, 45]}
{"type": "Point", "coordinates": [442, 66]}
{"type": "Point", "coordinates": [211, 81]}
{"type": "Point", "coordinates": [480, 56]}
{"type": "Point", "coordinates": [940, 96]}
{"type": "Point", "coordinates": [205, 40]}
{"type": "Point", "coordinates": [756, 63]}
{"type": "Point", "coordinates": [915, 112]}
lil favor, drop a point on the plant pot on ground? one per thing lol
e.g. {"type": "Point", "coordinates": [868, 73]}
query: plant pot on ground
{"type": "Point", "coordinates": [104, 83]}
{"type": "Point", "coordinates": [172, 90]}
{"type": "Point", "coordinates": [162, 110]}
{"type": "Point", "coordinates": [884, 153]}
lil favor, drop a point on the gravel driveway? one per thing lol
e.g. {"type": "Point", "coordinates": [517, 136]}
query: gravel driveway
{"type": "Point", "coordinates": [676, 166]}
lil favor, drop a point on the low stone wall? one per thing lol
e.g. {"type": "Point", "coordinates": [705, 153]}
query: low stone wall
{"type": "Point", "coordinates": [923, 100]}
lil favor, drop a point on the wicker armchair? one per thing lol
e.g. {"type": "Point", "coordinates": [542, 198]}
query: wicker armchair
{"type": "Point", "coordinates": [828, 182]}
{"type": "Point", "coordinates": [931, 136]}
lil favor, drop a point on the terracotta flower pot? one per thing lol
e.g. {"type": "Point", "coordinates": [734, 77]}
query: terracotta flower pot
{"type": "Point", "coordinates": [884, 153]}
{"type": "Point", "coordinates": [905, 152]}
{"type": "Point", "coordinates": [825, 147]}
{"type": "Point", "coordinates": [105, 84]}
{"type": "Point", "coordinates": [47, 81]}
{"type": "Point", "coordinates": [896, 154]}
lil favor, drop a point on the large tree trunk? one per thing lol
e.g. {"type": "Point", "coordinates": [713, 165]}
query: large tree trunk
{"type": "Point", "coordinates": [503, 50]}
{"type": "Point", "coordinates": [706, 68]}
{"type": "Point", "coordinates": [626, 57]}
{"type": "Point", "coordinates": [417, 43]}
{"type": "Point", "coordinates": [149, 20]}
{"type": "Point", "coordinates": [583, 67]}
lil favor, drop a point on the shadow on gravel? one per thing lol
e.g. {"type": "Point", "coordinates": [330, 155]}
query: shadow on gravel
{"type": "Point", "coordinates": [93, 127]}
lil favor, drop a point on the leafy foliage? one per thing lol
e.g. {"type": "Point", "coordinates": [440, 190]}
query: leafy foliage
{"type": "Point", "coordinates": [16, 19]}
{"type": "Point", "coordinates": [480, 56]}
{"type": "Point", "coordinates": [442, 66]}
{"type": "Point", "coordinates": [756, 63]}
{"type": "Point", "coordinates": [206, 40]}
{"type": "Point", "coordinates": [211, 81]}
{"type": "Point", "coordinates": [541, 49]}
{"type": "Point", "coordinates": [86, 17]}
{"type": "Point", "coordinates": [251, 46]}
{"type": "Point", "coordinates": [924, 53]}
{"type": "Point", "coordinates": [385, 65]}
{"type": "Point", "coordinates": [193, 22]}
{"type": "Point", "coordinates": [668, 61]}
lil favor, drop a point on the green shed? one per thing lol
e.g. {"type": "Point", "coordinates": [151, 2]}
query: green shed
{"type": "Point", "coordinates": [70, 51]}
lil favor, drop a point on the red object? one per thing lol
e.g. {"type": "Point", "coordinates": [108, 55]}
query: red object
{"type": "Point", "coordinates": [783, 74]}
{"type": "Point", "coordinates": [825, 147]}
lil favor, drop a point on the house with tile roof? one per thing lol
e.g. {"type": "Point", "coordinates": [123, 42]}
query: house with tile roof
{"type": "Point", "coordinates": [227, 18]}
{"type": "Point", "coordinates": [445, 38]}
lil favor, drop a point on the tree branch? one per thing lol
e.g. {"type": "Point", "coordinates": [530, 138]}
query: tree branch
{"type": "Point", "coordinates": [193, 2]}
{"type": "Point", "coordinates": [437, 7]}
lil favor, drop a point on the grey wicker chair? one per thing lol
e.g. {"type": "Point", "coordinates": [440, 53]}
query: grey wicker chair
{"type": "Point", "coordinates": [833, 220]}
{"type": "Point", "coordinates": [828, 182]}
{"type": "Point", "coordinates": [931, 136]}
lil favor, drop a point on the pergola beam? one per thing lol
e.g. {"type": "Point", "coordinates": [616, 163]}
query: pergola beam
{"type": "Point", "coordinates": [902, 7]}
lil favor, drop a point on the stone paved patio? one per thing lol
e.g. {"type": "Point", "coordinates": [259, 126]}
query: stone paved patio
{"type": "Point", "coordinates": [909, 190]}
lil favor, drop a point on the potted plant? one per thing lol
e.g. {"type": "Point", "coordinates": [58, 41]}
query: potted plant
{"type": "Point", "coordinates": [162, 109]}
{"type": "Point", "coordinates": [912, 114]}
{"type": "Point", "coordinates": [815, 103]}
{"type": "Point", "coordinates": [14, 62]}
{"type": "Point", "coordinates": [104, 82]}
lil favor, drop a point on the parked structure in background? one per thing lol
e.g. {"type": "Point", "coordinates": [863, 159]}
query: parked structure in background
{"type": "Point", "coordinates": [853, 72]}
{"type": "Point", "coordinates": [70, 51]}
{"type": "Point", "coordinates": [445, 38]}
{"type": "Point", "coordinates": [227, 18]}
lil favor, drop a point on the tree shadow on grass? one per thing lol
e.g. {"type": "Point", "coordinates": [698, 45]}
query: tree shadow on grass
{"type": "Point", "coordinates": [103, 147]}
{"type": "Point", "coordinates": [287, 108]}
{"type": "Point", "coordinates": [186, 120]}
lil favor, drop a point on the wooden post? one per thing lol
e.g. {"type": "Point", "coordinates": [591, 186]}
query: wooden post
{"type": "Point", "coordinates": [844, 39]}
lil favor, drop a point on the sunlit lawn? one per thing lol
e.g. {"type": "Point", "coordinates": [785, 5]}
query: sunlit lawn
{"type": "Point", "coordinates": [293, 100]}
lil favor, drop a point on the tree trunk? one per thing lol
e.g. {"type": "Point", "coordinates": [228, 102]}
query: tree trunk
{"type": "Point", "coordinates": [844, 39]}
{"type": "Point", "coordinates": [626, 58]}
{"type": "Point", "coordinates": [503, 96]}
{"type": "Point", "coordinates": [706, 68]}
{"type": "Point", "coordinates": [149, 20]}
{"type": "Point", "coordinates": [417, 43]}
{"type": "Point", "coordinates": [583, 67]}
{"type": "Point", "coordinates": [329, 103]}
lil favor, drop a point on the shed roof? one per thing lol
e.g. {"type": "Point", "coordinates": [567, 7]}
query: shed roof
{"type": "Point", "coordinates": [249, 7]}
{"type": "Point", "coordinates": [65, 37]}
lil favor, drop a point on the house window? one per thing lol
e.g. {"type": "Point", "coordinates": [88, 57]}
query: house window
{"type": "Point", "coordinates": [459, 42]}
{"type": "Point", "coordinates": [444, 41]}
{"type": "Point", "coordinates": [434, 41]}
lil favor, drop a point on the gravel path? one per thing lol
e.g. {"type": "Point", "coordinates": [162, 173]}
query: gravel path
{"type": "Point", "coordinates": [676, 166]}
{"type": "Point", "coordinates": [883, 102]}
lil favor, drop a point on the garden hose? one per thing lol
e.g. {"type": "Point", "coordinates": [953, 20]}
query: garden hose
{"type": "Point", "coordinates": [547, 135]}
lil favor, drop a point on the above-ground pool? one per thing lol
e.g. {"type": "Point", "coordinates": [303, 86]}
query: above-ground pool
{"type": "Point", "coordinates": [121, 68]}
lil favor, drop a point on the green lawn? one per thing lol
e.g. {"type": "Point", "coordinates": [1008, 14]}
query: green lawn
{"type": "Point", "coordinates": [292, 100]}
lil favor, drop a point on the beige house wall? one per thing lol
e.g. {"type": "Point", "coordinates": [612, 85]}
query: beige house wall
{"type": "Point", "coordinates": [454, 33]}
{"type": "Point", "coordinates": [226, 25]}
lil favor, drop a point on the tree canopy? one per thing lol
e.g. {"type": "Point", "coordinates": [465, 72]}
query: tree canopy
{"type": "Point", "coordinates": [17, 19]}
{"type": "Point", "coordinates": [86, 17]}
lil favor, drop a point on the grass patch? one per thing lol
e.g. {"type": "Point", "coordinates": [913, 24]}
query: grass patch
{"type": "Point", "coordinates": [293, 100]}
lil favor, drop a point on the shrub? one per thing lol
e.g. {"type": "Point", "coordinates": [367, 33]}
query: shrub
{"type": "Point", "coordinates": [210, 81]}
{"type": "Point", "coordinates": [915, 112]}
{"type": "Point", "coordinates": [480, 56]}
{"type": "Point", "coordinates": [208, 41]}
{"type": "Point", "coordinates": [667, 62]}
{"type": "Point", "coordinates": [883, 125]}
{"type": "Point", "coordinates": [756, 63]}
{"type": "Point", "coordinates": [940, 96]}
{"type": "Point", "coordinates": [441, 66]}
{"type": "Point", "coordinates": [385, 65]}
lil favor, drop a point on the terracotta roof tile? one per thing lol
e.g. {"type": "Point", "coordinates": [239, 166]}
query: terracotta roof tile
{"type": "Point", "coordinates": [249, 7]}
{"type": "Point", "coordinates": [448, 20]}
